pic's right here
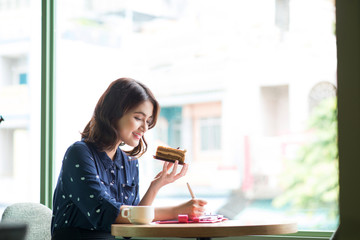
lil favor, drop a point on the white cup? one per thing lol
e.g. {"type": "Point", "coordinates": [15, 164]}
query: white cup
{"type": "Point", "coordinates": [139, 214]}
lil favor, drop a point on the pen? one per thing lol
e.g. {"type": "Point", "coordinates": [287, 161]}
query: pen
{"type": "Point", "coordinates": [191, 192]}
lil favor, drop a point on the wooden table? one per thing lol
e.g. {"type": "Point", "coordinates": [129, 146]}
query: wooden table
{"type": "Point", "coordinates": [229, 228]}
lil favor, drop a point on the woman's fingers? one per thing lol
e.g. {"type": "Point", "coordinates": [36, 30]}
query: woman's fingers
{"type": "Point", "coordinates": [166, 167]}
{"type": "Point", "coordinates": [169, 165]}
{"type": "Point", "coordinates": [182, 172]}
{"type": "Point", "coordinates": [184, 169]}
{"type": "Point", "coordinates": [164, 177]}
{"type": "Point", "coordinates": [173, 172]}
{"type": "Point", "coordinates": [201, 202]}
{"type": "Point", "coordinates": [163, 171]}
{"type": "Point", "coordinates": [196, 207]}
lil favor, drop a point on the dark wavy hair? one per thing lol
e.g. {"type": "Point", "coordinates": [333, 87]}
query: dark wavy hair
{"type": "Point", "coordinates": [121, 96]}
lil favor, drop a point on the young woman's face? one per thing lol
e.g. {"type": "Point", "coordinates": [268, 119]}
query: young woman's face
{"type": "Point", "coordinates": [135, 123]}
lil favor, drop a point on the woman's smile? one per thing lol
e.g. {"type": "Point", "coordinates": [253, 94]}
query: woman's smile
{"type": "Point", "coordinates": [133, 124]}
{"type": "Point", "coordinates": [137, 135]}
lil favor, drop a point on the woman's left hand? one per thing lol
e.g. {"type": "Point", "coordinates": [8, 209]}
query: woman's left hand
{"type": "Point", "coordinates": [161, 179]}
{"type": "Point", "coordinates": [165, 177]}
{"type": "Point", "coordinates": [192, 208]}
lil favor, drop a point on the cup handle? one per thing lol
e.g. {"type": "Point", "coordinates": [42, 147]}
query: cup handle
{"type": "Point", "coordinates": [125, 212]}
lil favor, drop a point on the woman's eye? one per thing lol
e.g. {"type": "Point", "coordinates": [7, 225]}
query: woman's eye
{"type": "Point", "coordinates": [137, 118]}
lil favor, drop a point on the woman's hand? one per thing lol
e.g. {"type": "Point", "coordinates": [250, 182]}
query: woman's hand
{"type": "Point", "coordinates": [161, 179]}
{"type": "Point", "coordinates": [165, 177]}
{"type": "Point", "coordinates": [193, 208]}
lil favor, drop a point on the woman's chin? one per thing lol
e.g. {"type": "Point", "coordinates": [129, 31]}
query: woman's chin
{"type": "Point", "coordinates": [133, 144]}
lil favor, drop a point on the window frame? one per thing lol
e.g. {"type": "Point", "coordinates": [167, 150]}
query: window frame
{"type": "Point", "coordinates": [47, 101]}
{"type": "Point", "coordinates": [348, 93]}
{"type": "Point", "coordinates": [348, 74]}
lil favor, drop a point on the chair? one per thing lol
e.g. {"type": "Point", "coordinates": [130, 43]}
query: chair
{"type": "Point", "coordinates": [12, 231]}
{"type": "Point", "coordinates": [35, 215]}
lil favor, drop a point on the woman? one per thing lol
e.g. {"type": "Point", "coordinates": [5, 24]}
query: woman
{"type": "Point", "coordinates": [98, 179]}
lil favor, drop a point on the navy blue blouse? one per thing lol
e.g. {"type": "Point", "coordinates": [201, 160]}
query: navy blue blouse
{"type": "Point", "coordinates": [91, 188]}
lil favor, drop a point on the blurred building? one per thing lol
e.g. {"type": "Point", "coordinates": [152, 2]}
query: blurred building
{"type": "Point", "coordinates": [20, 49]}
{"type": "Point", "coordinates": [236, 83]}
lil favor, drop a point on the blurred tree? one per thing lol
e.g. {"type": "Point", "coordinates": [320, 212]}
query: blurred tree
{"type": "Point", "coordinates": [311, 178]}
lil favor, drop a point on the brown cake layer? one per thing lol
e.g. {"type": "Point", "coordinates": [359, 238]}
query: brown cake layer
{"type": "Point", "coordinates": [170, 154]}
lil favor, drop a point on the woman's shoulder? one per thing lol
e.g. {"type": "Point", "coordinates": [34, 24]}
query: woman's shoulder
{"type": "Point", "coordinates": [79, 147]}
{"type": "Point", "coordinates": [79, 152]}
{"type": "Point", "coordinates": [79, 143]}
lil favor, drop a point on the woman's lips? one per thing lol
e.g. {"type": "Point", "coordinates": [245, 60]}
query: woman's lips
{"type": "Point", "coordinates": [137, 136]}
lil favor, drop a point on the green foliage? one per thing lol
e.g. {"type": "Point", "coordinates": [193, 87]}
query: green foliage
{"type": "Point", "coordinates": [311, 178]}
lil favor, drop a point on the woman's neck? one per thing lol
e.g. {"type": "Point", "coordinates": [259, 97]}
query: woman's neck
{"type": "Point", "coordinates": [111, 153]}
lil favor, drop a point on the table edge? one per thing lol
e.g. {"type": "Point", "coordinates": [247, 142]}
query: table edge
{"type": "Point", "coordinates": [212, 230]}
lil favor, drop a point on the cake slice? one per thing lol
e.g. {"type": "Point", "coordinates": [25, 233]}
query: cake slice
{"type": "Point", "coordinates": [170, 154]}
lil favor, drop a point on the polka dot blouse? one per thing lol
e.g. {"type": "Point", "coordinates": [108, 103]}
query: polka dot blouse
{"type": "Point", "coordinates": [91, 188]}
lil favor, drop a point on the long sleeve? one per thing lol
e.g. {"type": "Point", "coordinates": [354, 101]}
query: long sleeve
{"type": "Point", "coordinates": [91, 188]}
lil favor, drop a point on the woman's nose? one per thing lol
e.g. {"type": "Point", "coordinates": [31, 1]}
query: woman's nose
{"type": "Point", "coordinates": [144, 127]}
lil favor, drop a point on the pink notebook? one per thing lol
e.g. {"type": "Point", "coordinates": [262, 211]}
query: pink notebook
{"type": "Point", "coordinates": [183, 218]}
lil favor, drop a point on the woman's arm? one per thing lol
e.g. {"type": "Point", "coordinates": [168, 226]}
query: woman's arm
{"type": "Point", "coordinates": [81, 186]}
{"type": "Point", "coordinates": [193, 207]}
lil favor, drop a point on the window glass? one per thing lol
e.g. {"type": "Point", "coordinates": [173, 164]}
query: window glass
{"type": "Point", "coordinates": [210, 134]}
{"type": "Point", "coordinates": [246, 87]}
{"type": "Point", "coordinates": [20, 49]}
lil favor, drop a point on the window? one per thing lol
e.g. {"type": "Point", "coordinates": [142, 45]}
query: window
{"type": "Point", "coordinates": [282, 14]}
{"type": "Point", "coordinates": [20, 67]}
{"type": "Point", "coordinates": [226, 71]}
{"type": "Point", "coordinates": [23, 78]}
{"type": "Point", "coordinates": [210, 134]}
{"type": "Point", "coordinates": [172, 125]}
{"type": "Point", "coordinates": [275, 102]}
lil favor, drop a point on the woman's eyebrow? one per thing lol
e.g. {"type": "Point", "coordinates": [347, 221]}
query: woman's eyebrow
{"type": "Point", "coordinates": [142, 113]}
